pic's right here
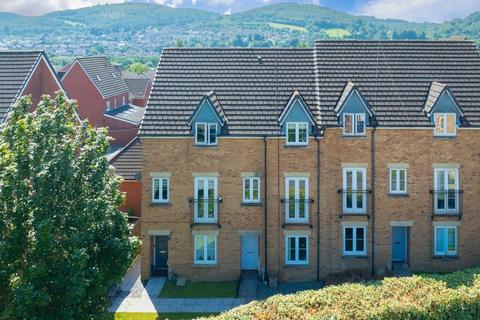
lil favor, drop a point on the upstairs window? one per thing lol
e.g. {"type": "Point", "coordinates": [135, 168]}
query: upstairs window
{"type": "Point", "coordinates": [205, 133]}
{"type": "Point", "coordinates": [354, 124]}
{"type": "Point", "coordinates": [297, 133]}
{"type": "Point", "coordinates": [108, 106]}
{"type": "Point", "coordinates": [445, 124]}
{"type": "Point", "coordinates": [251, 190]}
{"type": "Point", "coordinates": [160, 190]}
{"type": "Point", "coordinates": [398, 180]}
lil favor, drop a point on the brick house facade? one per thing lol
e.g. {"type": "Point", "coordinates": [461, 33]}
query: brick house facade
{"type": "Point", "coordinates": [303, 163]}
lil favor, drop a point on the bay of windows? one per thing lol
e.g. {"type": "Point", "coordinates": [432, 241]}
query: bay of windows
{"type": "Point", "coordinates": [296, 250]}
{"type": "Point", "coordinates": [205, 249]}
{"type": "Point", "coordinates": [445, 240]}
{"type": "Point", "coordinates": [354, 240]}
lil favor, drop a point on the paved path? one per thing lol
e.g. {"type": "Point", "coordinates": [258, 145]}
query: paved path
{"type": "Point", "coordinates": [135, 297]}
{"type": "Point", "coordinates": [248, 284]}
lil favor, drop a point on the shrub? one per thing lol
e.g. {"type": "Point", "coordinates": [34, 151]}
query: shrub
{"type": "Point", "coordinates": [426, 296]}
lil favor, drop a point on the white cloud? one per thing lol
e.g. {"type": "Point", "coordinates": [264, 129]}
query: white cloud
{"type": "Point", "coordinates": [420, 10]}
{"type": "Point", "coordinates": [228, 11]}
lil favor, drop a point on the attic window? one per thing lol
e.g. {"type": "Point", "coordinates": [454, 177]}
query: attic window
{"type": "Point", "coordinates": [445, 124]}
{"type": "Point", "coordinates": [354, 124]}
{"type": "Point", "coordinates": [98, 78]}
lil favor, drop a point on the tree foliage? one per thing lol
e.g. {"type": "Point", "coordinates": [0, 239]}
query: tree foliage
{"type": "Point", "coordinates": [63, 240]}
{"type": "Point", "coordinates": [138, 68]}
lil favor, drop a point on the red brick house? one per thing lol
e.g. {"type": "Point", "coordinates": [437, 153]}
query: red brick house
{"type": "Point", "coordinates": [139, 89]}
{"type": "Point", "coordinates": [25, 73]}
{"type": "Point", "coordinates": [103, 97]}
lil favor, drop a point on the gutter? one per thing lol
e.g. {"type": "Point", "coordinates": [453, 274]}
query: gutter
{"type": "Point", "coordinates": [317, 138]}
{"type": "Point", "coordinates": [265, 189]}
{"type": "Point", "coordinates": [372, 151]}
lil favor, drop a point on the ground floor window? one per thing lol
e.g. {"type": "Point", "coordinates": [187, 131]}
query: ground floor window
{"type": "Point", "coordinates": [354, 240]}
{"type": "Point", "coordinates": [445, 240]}
{"type": "Point", "coordinates": [205, 249]}
{"type": "Point", "coordinates": [296, 249]}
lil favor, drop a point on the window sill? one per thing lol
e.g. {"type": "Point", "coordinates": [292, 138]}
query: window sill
{"type": "Point", "coordinates": [206, 146]}
{"type": "Point", "coordinates": [160, 204]}
{"type": "Point", "coordinates": [354, 257]}
{"type": "Point", "coordinates": [251, 204]}
{"type": "Point", "coordinates": [446, 137]}
{"type": "Point", "coordinates": [398, 195]}
{"type": "Point", "coordinates": [354, 136]}
{"type": "Point", "coordinates": [452, 257]}
{"type": "Point", "coordinates": [294, 146]}
{"type": "Point", "coordinates": [296, 265]}
{"type": "Point", "coordinates": [205, 265]}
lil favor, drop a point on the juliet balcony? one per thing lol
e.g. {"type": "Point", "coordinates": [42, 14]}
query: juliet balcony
{"type": "Point", "coordinates": [447, 203]}
{"type": "Point", "coordinates": [205, 211]}
{"type": "Point", "coordinates": [355, 202]}
{"type": "Point", "coordinates": [297, 211]}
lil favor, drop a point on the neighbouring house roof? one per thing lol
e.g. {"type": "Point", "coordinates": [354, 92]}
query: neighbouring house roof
{"type": "Point", "coordinates": [16, 67]}
{"type": "Point", "coordinates": [128, 112]}
{"type": "Point", "coordinates": [138, 87]}
{"type": "Point", "coordinates": [103, 74]}
{"type": "Point", "coordinates": [150, 74]}
{"type": "Point", "coordinates": [128, 162]}
{"type": "Point", "coordinates": [254, 85]}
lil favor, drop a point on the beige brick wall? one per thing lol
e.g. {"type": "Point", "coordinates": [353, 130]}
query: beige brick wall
{"type": "Point", "coordinates": [415, 147]}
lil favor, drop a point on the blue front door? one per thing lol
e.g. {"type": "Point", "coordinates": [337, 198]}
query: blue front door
{"type": "Point", "coordinates": [399, 244]}
{"type": "Point", "coordinates": [249, 252]}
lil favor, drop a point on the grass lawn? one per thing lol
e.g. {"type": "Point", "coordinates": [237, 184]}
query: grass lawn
{"type": "Point", "coordinates": [337, 33]}
{"type": "Point", "coordinates": [155, 316]}
{"type": "Point", "coordinates": [221, 289]}
{"type": "Point", "coordinates": [287, 26]}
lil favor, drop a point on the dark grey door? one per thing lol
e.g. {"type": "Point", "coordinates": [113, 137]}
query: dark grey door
{"type": "Point", "coordinates": [160, 255]}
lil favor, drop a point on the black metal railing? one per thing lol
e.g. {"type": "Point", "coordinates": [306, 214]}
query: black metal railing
{"type": "Point", "coordinates": [205, 211]}
{"type": "Point", "coordinates": [447, 202]}
{"type": "Point", "coordinates": [296, 211]}
{"type": "Point", "coordinates": [354, 202]}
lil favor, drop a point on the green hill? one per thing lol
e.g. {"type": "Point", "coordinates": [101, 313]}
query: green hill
{"type": "Point", "coordinates": [145, 28]}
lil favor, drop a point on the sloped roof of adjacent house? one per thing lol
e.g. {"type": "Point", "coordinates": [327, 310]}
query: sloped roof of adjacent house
{"type": "Point", "coordinates": [138, 87]}
{"type": "Point", "coordinates": [128, 112]}
{"type": "Point", "coordinates": [254, 85]}
{"type": "Point", "coordinates": [103, 74]}
{"type": "Point", "coordinates": [16, 68]}
{"type": "Point", "coordinates": [128, 162]}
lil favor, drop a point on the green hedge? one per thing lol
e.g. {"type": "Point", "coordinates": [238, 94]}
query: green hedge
{"type": "Point", "coordinates": [425, 296]}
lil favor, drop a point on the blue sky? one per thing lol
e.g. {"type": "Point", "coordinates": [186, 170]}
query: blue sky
{"type": "Point", "coordinates": [412, 10]}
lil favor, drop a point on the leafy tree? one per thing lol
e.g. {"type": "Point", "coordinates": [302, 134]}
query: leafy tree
{"type": "Point", "coordinates": [179, 43]}
{"type": "Point", "coordinates": [63, 240]}
{"type": "Point", "coordinates": [138, 67]}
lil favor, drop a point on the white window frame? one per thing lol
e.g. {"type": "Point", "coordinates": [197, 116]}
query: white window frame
{"type": "Point", "coordinates": [355, 208]}
{"type": "Point", "coordinates": [354, 124]}
{"type": "Point", "coordinates": [160, 184]}
{"type": "Point", "coordinates": [445, 171]}
{"type": "Point", "coordinates": [123, 100]}
{"type": "Point", "coordinates": [108, 106]}
{"type": "Point", "coordinates": [251, 181]}
{"type": "Point", "coordinates": [207, 126]}
{"type": "Point", "coordinates": [397, 181]}
{"type": "Point", "coordinates": [444, 251]}
{"type": "Point", "coordinates": [297, 260]}
{"type": "Point", "coordinates": [444, 124]}
{"type": "Point", "coordinates": [205, 249]}
{"type": "Point", "coordinates": [297, 141]}
{"type": "Point", "coordinates": [297, 218]}
{"type": "Point", "coordinates": [205, 218]}
{"type": "Point", "coordinates": [354, 251]}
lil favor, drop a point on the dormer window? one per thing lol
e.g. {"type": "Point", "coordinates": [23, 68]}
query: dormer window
{"type": "Point", "coordinates": [206, 133]}
{"type": "Point", "coordinates": [297, 133]}
{"type": "Point", "coordinates": [445, 124]}
{"type": "Point", "coordinates": [354, 124]}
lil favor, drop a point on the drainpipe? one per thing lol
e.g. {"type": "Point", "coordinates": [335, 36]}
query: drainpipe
{"type": "Point", "coordinates": [318, 207]}
{"type": "Point", "coordinates": [372, 144]}
{"type": "Point", "coordinates": [265, 275]}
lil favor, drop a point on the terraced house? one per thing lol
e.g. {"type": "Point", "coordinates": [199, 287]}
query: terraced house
{"type": "Point", "coordinates": [303, 163]}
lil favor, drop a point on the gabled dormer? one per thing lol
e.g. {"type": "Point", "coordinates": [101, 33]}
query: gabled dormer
{"type": "Point", "coordinates": [208, 121]}
{"type": "Point", "coordinates": [353, 111]}
{"type": "Point", "coordinates": [443, 110]}
{"type": "Point", "coordinates": [296, 121]}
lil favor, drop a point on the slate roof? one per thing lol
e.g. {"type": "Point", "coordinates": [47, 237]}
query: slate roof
{"type": "Point", "coordinates": [128, 162]}
{"type": "Point", "coordinates": [138, 87]}
{"type": "Point", "coordinates": [104, 75]}
{"type": "Point", "coordinates": [394, 77]}
{"type": "Point", "coordinates": [253, 91]}
{"type": "Point", "coordinates": [127, 112]}
{"type": "Point", "coordinates": [15, 69]}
